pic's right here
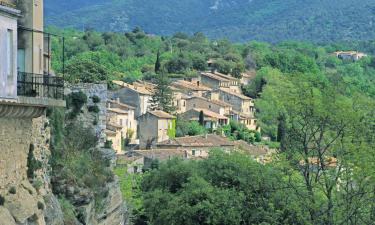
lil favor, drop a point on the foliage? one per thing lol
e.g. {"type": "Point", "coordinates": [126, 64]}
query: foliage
{"type": "Point", "coordinates": [75, 159]}
{"type": "Point", "coordinates": [237, 131]}
{"type": "Point", "coordinates": [75, 101]}
{"type": "Point", "coordinates": [40, 205]}
{"type": "Point", "coordinates": [95, 99]}
{"type": "Point", "coordinates": [85, 71]}
{"type": "Point", "coordinates": [162, 98]}
{"type": "Point", "coordinates": [93, 108]}
{"type": "Point", "coordinates": [2, 200]}
{"type": "Point", "coordinates": [32, 164]}
{"type": "Point", "coordinates": [108, 144]}
{"type": "Point", "coordinates": [12, 190]}
{"type": "Point", "coordinates": [219, 190]}
{"type": "Point", "coordinates": [68, 211]}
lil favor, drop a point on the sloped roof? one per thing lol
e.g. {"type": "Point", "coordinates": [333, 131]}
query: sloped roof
{"type": "Point", "coordinates": [121, 104]}
{"type": "Point", "coordinates": [118, 111]}
{"type": "Point", "coordinates": [209, 113]}
{"type": "Point", "coordinates": [139, 89]}
{"type": "Point", "coordinates": [190, 85]}
{"type": "Point", "coordinates": [161, 154]}
{"type": "Point", "coordinates": [210, 140]}
{"type": "Point", "coordinates": [216, 77]}
{"type": "Point", "coordinates": [228, 91]}
{"type": "Point", "coordinates": [161, 114]}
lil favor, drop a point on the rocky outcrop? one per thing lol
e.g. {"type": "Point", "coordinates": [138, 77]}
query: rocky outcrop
{"type": "Point", "coordinates": [23, 196]}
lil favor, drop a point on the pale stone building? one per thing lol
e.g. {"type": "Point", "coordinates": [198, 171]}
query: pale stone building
{"type": "Point", "coordinates": [135, 95]}
{"type": "Point", "coordinates": [191, 88]}
{"type": "Point", "coordinates": [24, 98]}
{"type": "Point", "coordinates": [123, 116]}
{"type": "Point", "coordinates": [216, 106]}
{"type": "Point", "coordinates": [217, 80]}
{"type": "Point", "coordinates": [155, 127]}
{"type": "Point", "coordinates": [198, 146]}
{"type": "Point", "coordinates": [114, 135]}
{"type": "Point", "coordinates": [353, 55]}
{"type": "Point", "coordinates": [211, 119]}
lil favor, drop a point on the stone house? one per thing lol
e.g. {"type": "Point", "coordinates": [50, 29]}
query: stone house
{"type": "Point", "coordinates": [239, 102]}
{"type": "Point", "coordinates": [155, 127]}
{"type": "Point", "coordinates": [353, 55]}
{"type": "Point", "coordinates": [216, 106]}
{"type": "Point", "coordinates": [136, 95]}
{"type": "Point", "coordinates": [179, 101]}
{"type": "Point", "coordinates": [248, 120]}
{"type": "Point", "coordinates": [248, 77]}
{"type": "Point", "coordinates": [123, 115]}
{"type": "Point", "coordinates": [218, 80]}
{"type": "Point", "coordinates": [211, 120]}
{"type": "Point", "coordinates": [197, 146]}
{"type": "Point", "coordinates": [113, 133]}
{"type": "Point", "coordinates": [190, 88]}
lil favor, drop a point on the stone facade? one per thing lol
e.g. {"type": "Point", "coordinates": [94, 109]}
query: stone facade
{"type": "Point", "coordinates": [17, 135]}
{"type": "Point", "coordinates": [91, 90]}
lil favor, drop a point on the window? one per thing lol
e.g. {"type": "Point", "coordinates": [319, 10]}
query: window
{"type": "Point", "coordinates": [10, 63]}
{"type": "Point", "coordinates": [193, 152]}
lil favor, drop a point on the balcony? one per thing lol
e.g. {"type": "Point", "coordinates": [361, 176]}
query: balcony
{"type": "Point", "coordinates": [40, 86]}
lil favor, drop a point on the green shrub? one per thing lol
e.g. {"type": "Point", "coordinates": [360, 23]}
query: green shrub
{"type": "Point", "coordinates": [37, 184]}
{"type": "Point", "coordinates": [2, 200]}
{"type": "Point", "coordinates": [68, 211]}
{"type": "Point", "coordinates": [12, 190]}
{"type": "Point", "coordinates": [40, 205]}
{"type": "Point", "coordinates": [108, 144]}
{"type": "Point", "coordinates": [32, 164]}
{"type": "Point", "coordinates": [94, 109]}
{"type": "Point", "coordinates": [95, 99]}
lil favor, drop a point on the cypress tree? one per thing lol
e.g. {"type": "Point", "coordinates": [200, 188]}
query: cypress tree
{"type": "Point", "coordinates": [157, 63]}
{"type": "Point", "coordinates": [201, 118]}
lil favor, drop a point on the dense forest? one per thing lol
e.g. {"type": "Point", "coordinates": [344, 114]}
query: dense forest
{"type": "Point", "coordinates": [320, 109]}
{"type": "Point", "coordinates": [238, 20]}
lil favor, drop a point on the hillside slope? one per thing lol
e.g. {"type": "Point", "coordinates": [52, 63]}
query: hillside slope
{"type": "Point", "coordinates": [238, 20]}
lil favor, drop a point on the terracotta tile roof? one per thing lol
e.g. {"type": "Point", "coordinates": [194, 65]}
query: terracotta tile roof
{"type": "Point", "coordinates": [118, 111]}
{"type": "Point", "coordinates": [121, 104]}
{"type": "Point", "coordinates": [216, 77]}
{"type": "Point", "coordinates": [110, 133]}
{"type": "Point", "coordinates": [211, 140]}
{"type": "Point", "coordinates": [161, 154]}
{"type": "Point", "coordinates": [161, 114]}
{"type": "Point", "coordinates": [228, 91]}
{"type": "Point", "coordinates": [209, 113]}
{"type": "Point", "coordinates": [242, 115]}
{"type": "Point", "coordinates": [228, 77]}
{"type": "Point", "coordinates": [139, 89]}
{"type": "Point", "coordinates": [252, 150]}
{"type": "Point", "coordinates": [221, 103]}
{"type": "Point", "coordinates": [190, 85]}
{"type": "Point", "coordinates": [116, 126]}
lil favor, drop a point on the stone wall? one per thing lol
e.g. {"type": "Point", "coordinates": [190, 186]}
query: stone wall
{"type": "Point", "coordinates": [92, 90]}
{"type": "Point", "coordinates": [25, 202]}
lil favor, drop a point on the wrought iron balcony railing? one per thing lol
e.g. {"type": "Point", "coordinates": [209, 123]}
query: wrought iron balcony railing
{"type": "Point", "coordinates": [38, 85]}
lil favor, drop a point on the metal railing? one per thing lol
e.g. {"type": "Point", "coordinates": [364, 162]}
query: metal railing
{"type": "Point", "coordinates": [38, 85]}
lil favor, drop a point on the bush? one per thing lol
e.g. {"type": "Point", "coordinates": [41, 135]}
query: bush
{"type": "Point", "coordinates": [40, 205]}
{"type": "Point", "coordinates": [94, 109]}
{"type": "Point", "coordinates": [75, 101]}
{"type": "Point", "coordinates": [32, 164]}
{"type": "Point", "coordinates": [95, 99]}
{"type": "Point", "coordinates": [37, 184]}
{"type": "Point", "coordinates": [12, 190]}
{"type": "Point", "coordinates": [108, 144]}
{"type": "Point", "coordinates": [2, 200]}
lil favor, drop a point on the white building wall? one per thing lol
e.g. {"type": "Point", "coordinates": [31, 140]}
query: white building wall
{"type": "Point", "coordinates": [8, 48]}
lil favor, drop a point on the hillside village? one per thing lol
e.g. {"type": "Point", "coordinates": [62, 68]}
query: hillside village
{"type": "Point", "coordinates": [132, 126]}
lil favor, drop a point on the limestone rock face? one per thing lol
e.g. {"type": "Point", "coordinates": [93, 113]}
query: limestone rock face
{"type": "Point", "coordinates": [52, 213]}
{"type": "Point", "coordinates": [6, 217]}
{"type": "Point", "coordinates": [24, 202]}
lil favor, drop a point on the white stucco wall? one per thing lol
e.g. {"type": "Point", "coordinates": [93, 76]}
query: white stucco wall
{"type": "Point", "coordinates": [8, 87]}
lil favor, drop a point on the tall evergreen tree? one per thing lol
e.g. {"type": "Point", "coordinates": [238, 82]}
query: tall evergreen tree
{"type": "Point", "coordinates": [201, 118]}
{"type": "Point", "coordinates": [157, 63]}
{"type": "Point", "coordinates": [162, 98]}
